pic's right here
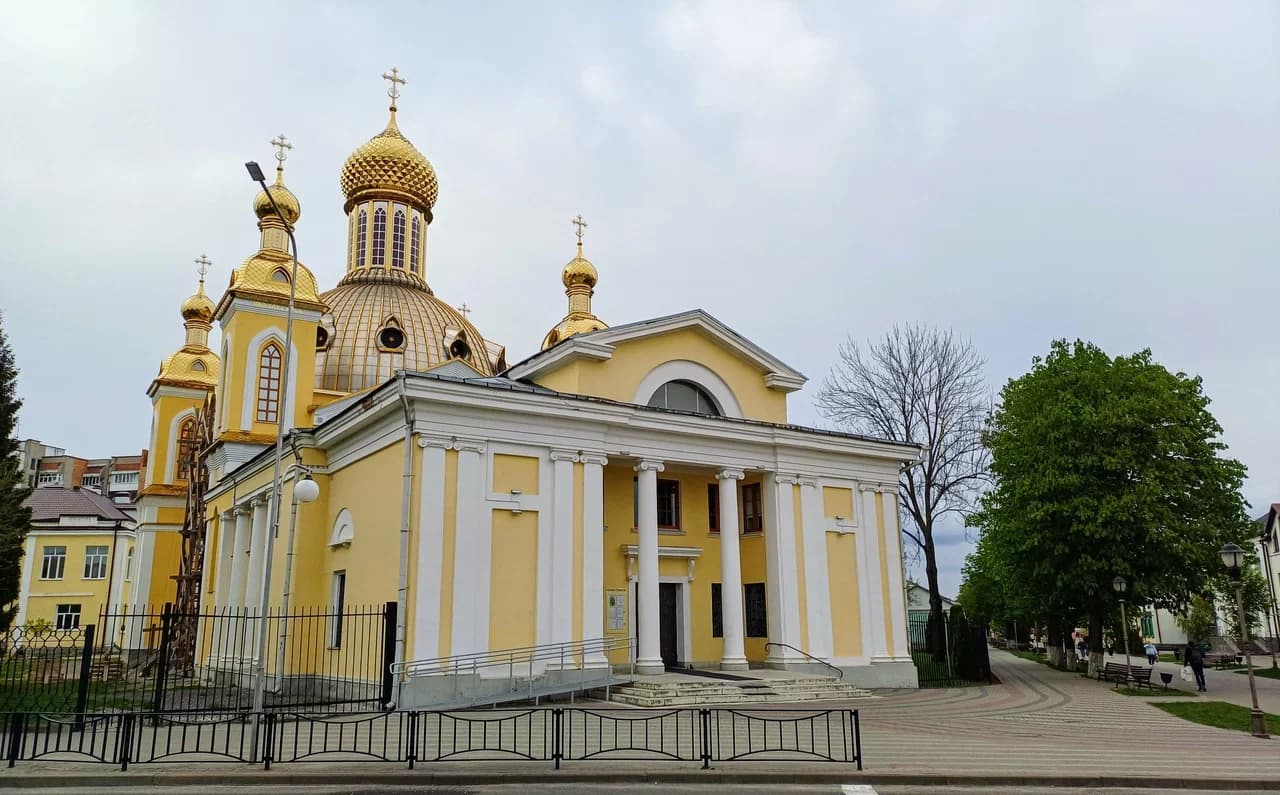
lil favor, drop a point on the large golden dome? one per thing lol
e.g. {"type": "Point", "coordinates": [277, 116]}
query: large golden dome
{"type": "Point", "coordinates": [389, 166]}
{"type": "Point", "coordinates": [383, 322]}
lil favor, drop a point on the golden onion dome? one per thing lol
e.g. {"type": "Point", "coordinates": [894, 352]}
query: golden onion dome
{"type": "Point", "coordinates": [389, 166]}
{"type": "Point", "coordinates": [290, 208]}
{"type": "Point", "coordinates": [579, 271]}
{"type": "Point", "coordinates": [198, 307]}
{"type": "Point", "coordinates": [381, 323]}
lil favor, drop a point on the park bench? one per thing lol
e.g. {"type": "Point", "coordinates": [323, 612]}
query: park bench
{"type": "Point", "coordinates": [1136, 675]}
{"type": "Point", "coordinates": [1217, 660]}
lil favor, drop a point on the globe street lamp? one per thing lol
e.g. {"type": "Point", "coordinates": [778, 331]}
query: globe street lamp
{"type": "Point", "coordinates": [1233, 559]}
{"type": "Point", "coordinates": [1120, 584]}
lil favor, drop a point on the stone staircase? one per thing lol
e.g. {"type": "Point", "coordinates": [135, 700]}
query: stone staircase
{"type": "Point", "coordinates": [690, 692]}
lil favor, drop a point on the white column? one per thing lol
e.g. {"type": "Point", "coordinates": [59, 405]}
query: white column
{"type": "Point", "coordinates": [473, 537]}
{"type": "Point", "coordinates": [428, 573]}
{"type": "Point", "coordinates": [782, 594]}
{"type": "Point", "coordinates": [897, 595]}
{"type": "Point", "coordinates": [240, 558]}
{"type": "Point", "coordinates": [226, 559]}
{"type": "Point", "coordinates": [561, 553]}
{"type": "Point", "coordinates": [734, 657]}
{"type": "Point", "coordinates": [649, 652]}
{"type": "Point", "coordinates": [257, 553]}
{"type": "Point", "coordinates": [817, 591]}
{"type": "Point", "coordinates": [140, 594]}
{"type": "Point", "coordinates": [593, 553]}
{"type": "Point", "coordinates": [30, 562]}
{"type": "Point", "coordinates": [879, 648]}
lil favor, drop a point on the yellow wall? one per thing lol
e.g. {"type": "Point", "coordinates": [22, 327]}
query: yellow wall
{"type": "Point", "coordinates": [447, 550]}
{"type": "Point", "coordinates": [242, 363]}
{"type": "Point", "coordinates": [884, 571]}
{"type": "Point", "coordinates": [842, 574]}
{"type": "Point", "coordinates": [513, 580]}
{"type": "Point", "coordinates": [515, 473]}
{"type": "Point", "coordinates": [620, 376]}
{"type": "Point", "coordinates": [45, 595]}
{"type": "Point", "coordinates": [166, 560]}
{"type": "Point", "coordinates": [159, 462]}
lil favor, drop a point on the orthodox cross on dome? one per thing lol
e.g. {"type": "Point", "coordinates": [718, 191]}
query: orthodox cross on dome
{"type": "Point", "coordinates": [465, 310]}
{"type": "Point", "coordinates": [202, 266]}
{"type": "Point", "coordinates": [281, 144]}
{"type": "Point", "coordinates": [581, 224]}
{"type": "Point", "coordinates": [394, 78]}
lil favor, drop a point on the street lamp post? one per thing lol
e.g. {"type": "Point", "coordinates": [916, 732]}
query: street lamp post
{"type": "Point", "coordinates": [304, 490]}
{"type": "Point", "coordinates": [1233, 559]}
{"type": "Point", "coordinates": [1121, 585]}
{"type": "Point", "coordinates": [273, 513]}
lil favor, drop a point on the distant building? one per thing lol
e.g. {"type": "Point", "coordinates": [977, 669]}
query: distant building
{"type": "Point", "coordinates": [918, 602]}
{"type": "Point", "coordinates": [117, 477]}
{"type": "Point", "coordinates": [77, 557]}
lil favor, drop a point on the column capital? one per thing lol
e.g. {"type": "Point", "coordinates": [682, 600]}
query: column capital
{"type": "Point", "coordinates": [261, 499]}
{"type": "Point", "coordinates": [779, 477]}
{"type": "Point", "coordinates": [243, 509]}
{"type": "Point", "coordinates": [593, 457]}
{"type": "Point", "coordinates": [808, 482]}
{"type": "Point", "coordinates": [227, 515]}
{"type": "Point", "coordinates": [868, 487]}
{"type": "Point", "coordinates": [571, 456]}
{"type": "Point", "coordinates": [649, 464]}
{"type": "Point", "coordinates": [433, 441]}
{"type": "Point", "coordinates": [730, 474]}
{"type": "Point", "coordinates": [452, 443]}
{"type": "Point", "coordinates": [887, 487]}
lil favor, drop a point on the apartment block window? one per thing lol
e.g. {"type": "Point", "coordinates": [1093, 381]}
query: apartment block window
{"type": "Point", "coordinates": [91, 481]}
{"type": "Point", "coordinates": [95, 563]}
{"type": "Point", "coordinates": [713, 509]}
{"type": "Point", "coordinates": [68, 617]}
{"type": "Point", "coordinates": [50, 478]}
{"type": "Point", "coordinates": [717, 617]}
{"type": "Point", "coordinates": [752, 509]}
{"type": "Point", "coordinates": [754, 606]}
{"type": "Point", "coordinates": [338, 603]}
{"type": "Point", "coordinates": [55, 560]}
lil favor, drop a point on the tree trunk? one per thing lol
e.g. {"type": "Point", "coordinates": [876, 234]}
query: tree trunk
{"type": "Point", "coordinates": [937, 643]}
{"type": "Point", "coordinates": [1095, 640]}
{"type": "Point", "coordinates": [1053, 644]}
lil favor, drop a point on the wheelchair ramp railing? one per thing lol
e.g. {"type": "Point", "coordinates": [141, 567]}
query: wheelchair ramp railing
{"type": "Point", "coordinates": [504, 675]}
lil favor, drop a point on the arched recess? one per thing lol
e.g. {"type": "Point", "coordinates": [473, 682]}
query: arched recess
{"type": "Point", "coordinates": [685, 370]}
{"type": "Point", "coordinates": [250, 376]}
{"type": "Point", "coordinates": [171, 444]}
{"type": "Point", "coordinates": [344, 529]}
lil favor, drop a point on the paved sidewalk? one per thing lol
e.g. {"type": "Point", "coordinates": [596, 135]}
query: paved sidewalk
{"type": "Point", "coordinates": [1224, 685]}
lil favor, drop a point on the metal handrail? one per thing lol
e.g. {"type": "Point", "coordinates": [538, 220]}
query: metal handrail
{"type": "Point", "coordinates": [513, 656]}
{"type": "Point", "coordinates": [839, 672]}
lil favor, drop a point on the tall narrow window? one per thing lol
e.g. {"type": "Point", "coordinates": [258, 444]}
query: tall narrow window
{"type": "Point", "coordinates": [55, 560]}
{"type": "Point", "coordinates": [379, 257]}
{"type": "Point", "coordinates": [186, 448]}
{"type": "Point", "coordinates": [269, 384]}
{"type": "Point", "coordinates": [95, 563]}
{"type": "Point", "coordinates": [754, 606]}
{"type": "Point", "coordinates": [397, 240]}
{"type": "Point", "coordinates": [717, 615]}
{"type": "Point", "coordinates": [713, 508]}
{"type": "Point", "coordinates": [414, 236]}
{"type": "Point", "coordinates": [752, 509]}
{"type": "Point", "coordinates": [361, 239]}
{"type": "Point", "coordinates": [669, 504]}
{"type": "Point", "coordinates": [338, 604]}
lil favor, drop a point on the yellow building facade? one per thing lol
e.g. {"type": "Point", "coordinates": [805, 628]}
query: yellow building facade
{"type": "Point", "coordinates": [638, 482]}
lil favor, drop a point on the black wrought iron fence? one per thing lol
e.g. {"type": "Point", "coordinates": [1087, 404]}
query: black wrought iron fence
{"type": "Point", "coordinates": [961, 658]}
{"type": "Point", "coordinates": [557, 735]}
{"type": "Point", "coordinates": [162, 661]}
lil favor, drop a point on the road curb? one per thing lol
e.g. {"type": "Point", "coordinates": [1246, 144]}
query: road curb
{"type": "Point", "coordinates": [737, 775]}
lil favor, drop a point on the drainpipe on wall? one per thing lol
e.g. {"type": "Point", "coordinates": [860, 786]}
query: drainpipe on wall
{"type": "Point", "coordinates": [402, 591]}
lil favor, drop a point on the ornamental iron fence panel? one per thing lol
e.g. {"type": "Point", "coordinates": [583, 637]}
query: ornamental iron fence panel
{"type": "Point", "coordinates": [962, 661]}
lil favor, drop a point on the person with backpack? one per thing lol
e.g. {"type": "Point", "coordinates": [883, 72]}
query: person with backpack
{"type": "Point", "coordinates": [1194, 658]}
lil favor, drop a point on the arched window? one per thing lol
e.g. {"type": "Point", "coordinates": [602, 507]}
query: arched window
{"type": "Point", "coordinates": [397, 240]}
{"type": "Point", "coordinates": [186, 448]}
{"type": "Point", "coordinates": [269, 384]}
{"type": "Point", "coordinates": [361, 239]}
{"type": "Point", "coordinates": [379, 257]}
{"type": "Point", "coordinates": [413, 245]}
{"type": "Point", "coordinates": [684, 396]}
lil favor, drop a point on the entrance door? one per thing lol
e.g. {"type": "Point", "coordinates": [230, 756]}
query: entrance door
{"type": "Point", "coordinates": [668, 604]}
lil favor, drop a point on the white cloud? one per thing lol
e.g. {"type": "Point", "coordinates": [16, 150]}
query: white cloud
{"type": "Point", "coordinates": [599, 83]}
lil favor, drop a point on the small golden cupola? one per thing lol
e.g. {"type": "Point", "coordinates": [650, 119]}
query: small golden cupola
{"type": "Point", "coordinates": [579, 277]}
{"type": "Point", "coordinates": [193, 365]}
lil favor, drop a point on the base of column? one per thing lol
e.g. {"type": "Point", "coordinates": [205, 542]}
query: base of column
{"type": "Point", "coordinates": [650, 667]}
{"type": "Point", "coordinates": [739, 664]}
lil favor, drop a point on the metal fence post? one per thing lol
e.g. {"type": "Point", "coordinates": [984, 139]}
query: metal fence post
{"type": "Point", "coordinates": [269, 740]}
{"type": "Point", "coordinates": [557, 736]}
{"type": "Point", "coordinates": [705, 716]}
{"type": "Point", "coordinates": [857, 738]}
{"type": "Point", "coordinates": [16, 725]}
{"type": "Point", "coordinates": [86, 667]}
{"type": "Point", "coordinates": [162, 662]}
{"type": "Point", "coordinates": [413, 738]}
{"type": "Point", "coordinates": [125, 740]}
{"type": "Point", "coordinates": [388, 652]}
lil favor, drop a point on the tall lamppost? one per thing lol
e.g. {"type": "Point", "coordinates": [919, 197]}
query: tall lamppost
{"type": "Point", "coordinates": [1121, 585]}
{"type": "Point", "coordinates": [1233, 559]}
{"type": "Point", "coordinates": [273, 514]}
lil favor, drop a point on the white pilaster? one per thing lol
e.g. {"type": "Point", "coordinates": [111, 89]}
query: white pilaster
{"type": "Point", "coordinates": [226, 559]}
{"type": "Point", "coordinates": [782, 593]}
{"type": "Point", "coordinates": [901, 649]}
{"type": "Point", "coordinates": [429, 574]}
{"type": "Point", "coordinates": [817, 592]}
{"type": "Point", "coordinates": [593, 553]}
{"type": "Point", "coordinates": [870, 536]}
{"type": "Point", "coordinates": [561, 547]}
{"type": "Point", "coordinates": [257, 554]}
{"type": "Point", "coordinates": [240, 557]}
{"type": "Point", "coordinates": [734, 656]}
{"type": "Point", "coordinates": [473, 538]}
{"type": "Point", "coordinates": [143, 555]}
{"type": "Point", "coordinates": [24, 592]}
{"type": "Point", "coordinates": [649, 651]}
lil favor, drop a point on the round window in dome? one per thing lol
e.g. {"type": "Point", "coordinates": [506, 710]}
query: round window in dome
{"type": "Point", "coordinates": [391, 339]}
{"type": "Point", "coordinates": [322, 337]}
{"type": "Point", "coordinates": [459, 349]}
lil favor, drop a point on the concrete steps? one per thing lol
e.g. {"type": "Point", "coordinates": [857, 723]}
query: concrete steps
{"type": "Point", "coordinates": [722, 692]}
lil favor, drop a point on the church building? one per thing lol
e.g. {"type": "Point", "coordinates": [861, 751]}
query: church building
{"type": "Point", "coordinates": [634, 479]}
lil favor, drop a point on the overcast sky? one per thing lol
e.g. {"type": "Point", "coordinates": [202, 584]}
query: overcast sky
{"type": "Point", "coordinates": [1015, 171]}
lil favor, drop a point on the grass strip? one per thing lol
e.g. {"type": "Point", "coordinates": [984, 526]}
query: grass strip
{"type": "Point", "coordinates": [1216, 713]}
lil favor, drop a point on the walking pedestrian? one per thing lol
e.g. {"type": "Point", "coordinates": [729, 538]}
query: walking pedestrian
{"type": "Point", "coordinates": [1194, 657]}
{"type": "Point", "coordinates": [1152, 653]}
{"type": "Point", "coordinates": [1082, 649]}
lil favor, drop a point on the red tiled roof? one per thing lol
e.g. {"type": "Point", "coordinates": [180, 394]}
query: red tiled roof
{"type": "Point", "coordinates": [52, 502]}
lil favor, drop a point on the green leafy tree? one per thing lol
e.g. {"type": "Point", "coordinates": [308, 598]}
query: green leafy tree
{"type": "Point", "coordinates": [1254, 594]}
{"type": "Point", "coordinates": [1106, 467]}
{"type": "Point", "coordinates": [1198, 620]}
{"type": "Point", "coordinates": [15, 516]}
